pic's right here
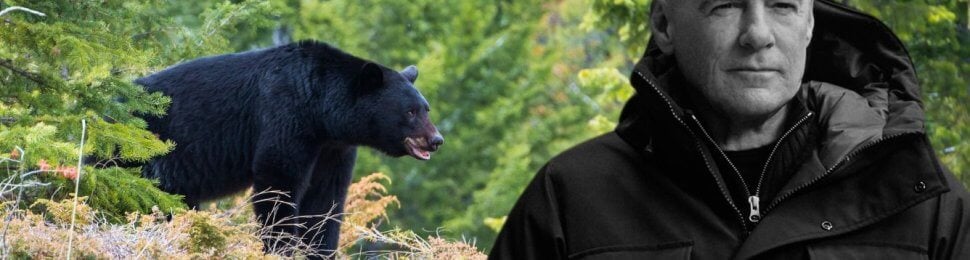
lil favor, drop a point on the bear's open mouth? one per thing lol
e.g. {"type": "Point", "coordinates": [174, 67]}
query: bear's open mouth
{"type": "Point", "coordinates": [417, 147]}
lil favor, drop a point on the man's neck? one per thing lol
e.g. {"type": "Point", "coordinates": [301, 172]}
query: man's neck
{"type": "Point", "coordinates": [735, 132]}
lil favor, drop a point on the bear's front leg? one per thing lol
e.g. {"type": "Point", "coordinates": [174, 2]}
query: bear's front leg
{"type": "Point", "coordinates": [323, 203]}
{"type": "Point", "coordinates": [283, 167]}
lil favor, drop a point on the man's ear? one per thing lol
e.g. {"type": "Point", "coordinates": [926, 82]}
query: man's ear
{"type": "Point", "coordinates": [371, 78]}
{"type": "Point", "coordinates": [811, 23]}
{"type": "Point", "coordinates": [660, 27]}
{"type": "Point", "coordinates": [410, 73]}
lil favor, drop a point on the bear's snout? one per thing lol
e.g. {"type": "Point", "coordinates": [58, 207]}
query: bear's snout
{"type": "Point", "coordinates": [436, 140]}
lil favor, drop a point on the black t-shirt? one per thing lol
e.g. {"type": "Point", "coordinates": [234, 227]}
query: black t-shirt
{"type": "Point", "coordinates": [750, 163]}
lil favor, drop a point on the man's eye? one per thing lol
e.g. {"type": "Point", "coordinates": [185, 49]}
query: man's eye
{"type": "Point", "coordinates": [725, 8]}
{"type": "Point", "coordinates": [785, 7]}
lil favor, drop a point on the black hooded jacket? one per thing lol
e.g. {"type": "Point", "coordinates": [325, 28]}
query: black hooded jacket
{"type": "Point", "coordinates": [853, 177]}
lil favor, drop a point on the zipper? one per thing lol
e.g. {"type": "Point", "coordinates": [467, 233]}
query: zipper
{"type": "Point", "coordinates": [747, 192]}
{"type": "Point", "coordinates": [830, 170]}
{"type": "Point", "coordinates": [670, 106]}
{"type": "Point", "coordinates": [755, 215]}
{"type": "Point", "coordinates": [754, 200]}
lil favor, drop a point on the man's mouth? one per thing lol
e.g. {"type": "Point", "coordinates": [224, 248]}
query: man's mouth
{"type": "Point", "coordinates": [755, 72]}
{"type": "Point", "coordinates": [417, 147]}
{"type": "Point", "coordinates": [754, 69]}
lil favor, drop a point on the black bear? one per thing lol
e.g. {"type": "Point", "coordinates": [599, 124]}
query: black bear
{"type": "Point", "coordinates": [287, 118]}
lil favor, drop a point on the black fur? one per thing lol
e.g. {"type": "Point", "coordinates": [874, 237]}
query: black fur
{"type": "Point", "coordinates": [287, 118]}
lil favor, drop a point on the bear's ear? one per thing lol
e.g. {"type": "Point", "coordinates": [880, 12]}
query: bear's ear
{"type": "Point", "coordinates": [371, 78]}
{"type": "Point", "coordinates": [410, 73]}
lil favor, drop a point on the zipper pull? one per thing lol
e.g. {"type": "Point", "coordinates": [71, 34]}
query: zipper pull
{"type": "Point", "coordinates": [755, 203]}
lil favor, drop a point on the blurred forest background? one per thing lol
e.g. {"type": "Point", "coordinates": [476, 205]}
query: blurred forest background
{"type": "Point", "coordinates": [511, 83]}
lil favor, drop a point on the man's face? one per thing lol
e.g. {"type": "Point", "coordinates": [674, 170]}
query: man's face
{"type": "Point", "coordinates": [747, 57]}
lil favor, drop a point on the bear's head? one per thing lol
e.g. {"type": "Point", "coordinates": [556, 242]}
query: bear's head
{"type": "Point", "coordinates": [394, 115]}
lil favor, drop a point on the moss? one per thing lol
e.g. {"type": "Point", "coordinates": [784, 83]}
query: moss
{"type": "Point", "coordinates": [61, 212]}
{"type": "Point", "coordinates": [205, 236]}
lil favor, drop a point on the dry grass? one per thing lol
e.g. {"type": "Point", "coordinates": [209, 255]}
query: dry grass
{"type": "Point", "coordinates": [367, 201]}
{"type": "Point", "coordinates": [233, 233]}
{"type": "Point", "coordinates": [191, 234]}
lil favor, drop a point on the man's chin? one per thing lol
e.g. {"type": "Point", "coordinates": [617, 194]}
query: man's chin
{"type": "Point", "coordinates": [754, 103]}
{"type": "Point", "coordinates": [755, 80]}
{"type": "Point", "coordinates": [750, 99]}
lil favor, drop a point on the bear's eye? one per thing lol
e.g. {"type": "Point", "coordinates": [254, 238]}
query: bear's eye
{"type": "Point", "coordinates": [411, 113]}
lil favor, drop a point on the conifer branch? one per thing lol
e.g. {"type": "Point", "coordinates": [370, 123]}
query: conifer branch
{"type": "Point", "coordinates": [31, 76]}
{"type": "Point", "coordinates": [18, 8]}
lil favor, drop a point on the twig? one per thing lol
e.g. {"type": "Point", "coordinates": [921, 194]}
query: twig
{"type": "Point", "coordinates": [25, 74]}
{"type": "Point", "coordinates": [77, 184]}
{"type": "Point", "coordinates": [18, 8]}
{"type": "Point", "coordinates": [20, 191]}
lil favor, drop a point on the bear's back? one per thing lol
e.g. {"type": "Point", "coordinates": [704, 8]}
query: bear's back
{"type": "Point", "coordinates": [241, 74]}
{"type": "Point", "coordinates": [218, 71]}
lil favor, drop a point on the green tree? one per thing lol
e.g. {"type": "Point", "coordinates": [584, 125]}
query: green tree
{"type": "Point", "coordinates": [77, 62]}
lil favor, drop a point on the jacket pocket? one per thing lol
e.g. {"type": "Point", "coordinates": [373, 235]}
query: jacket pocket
{"type": "Point", "coordinates": [676, 250]}
{"type": "Point", "coordinates": [866, 251]}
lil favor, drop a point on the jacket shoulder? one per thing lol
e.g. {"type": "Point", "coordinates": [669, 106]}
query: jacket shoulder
{"type": "Point", "coordinates": [606, 154]}
{"type": "Point", "coordinates": [604, 148]}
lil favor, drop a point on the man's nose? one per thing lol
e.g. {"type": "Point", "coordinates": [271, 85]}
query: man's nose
{"type": "Point", "coordinates": [756, 33]}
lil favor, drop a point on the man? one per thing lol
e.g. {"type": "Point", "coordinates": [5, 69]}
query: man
{"type": "Point", "coordinates": [761, 129]}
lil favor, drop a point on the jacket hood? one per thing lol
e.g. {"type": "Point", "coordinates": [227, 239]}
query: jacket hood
{"type": "Point", "coordinates": [870, 88]}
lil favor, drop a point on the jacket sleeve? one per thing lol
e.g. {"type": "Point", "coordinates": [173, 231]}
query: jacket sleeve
{"type": "Point", "coordinates": [953, 227]}
{"type": "Point", "coordinates": [533, 228]}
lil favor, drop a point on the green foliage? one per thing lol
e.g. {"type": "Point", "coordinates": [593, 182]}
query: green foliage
{"type": "Point", "coordinates": [78, 62]}
{"type": "Point", "coordinates": [40, 139]}
{"type": "Point", "coordinates": [114, 191]}
{"type": "Point", "coordinates": [630, 19]}
{"type": "Point", "coordinates": [67, 66]}
{"type": "Point", "coordinates": [130, 143]}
